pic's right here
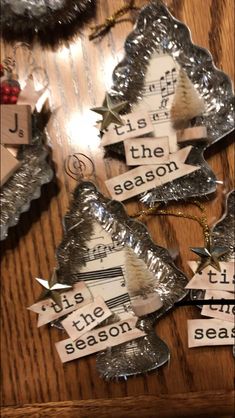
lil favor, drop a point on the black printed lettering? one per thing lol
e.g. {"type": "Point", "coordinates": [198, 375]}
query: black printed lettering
{"type": "Point", "coordinates": [141, 123]}
{"type": "Point", "coordinates": [198, 334]}
{"type": "Point", "coordinates": [149, 176]}
{"type": "Point", "coordinates": [139, 181]}
{"type": "Point", "coordinates": [128, 327]}
{"type": "Point", "coordinates": [118, 189]}
{"type": "Point", "coordinates": [128, 185]}
{"type": "Point", "coordinates": [69, 348]}
{"type": "Point", "coordinates": [211, 333]}
{"type": "Point", "coordinates": [80, 344]}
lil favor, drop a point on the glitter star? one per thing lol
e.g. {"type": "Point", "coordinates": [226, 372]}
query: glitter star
{"type": "Point", "coordinates": [110, 112]}
{"type": "Point", "coordinates": [209, 256]}
{"type": "Point", "coordinates": [52, 289]}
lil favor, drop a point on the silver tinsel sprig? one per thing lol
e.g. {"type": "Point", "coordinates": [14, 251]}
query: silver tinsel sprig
{"type": "Point", "coordinates": [50, 21]}
{"type": "Point", "coordinates": [25, 184]}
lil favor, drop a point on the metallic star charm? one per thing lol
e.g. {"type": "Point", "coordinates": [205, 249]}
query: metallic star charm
{"type": "Point", "coordinates": [110, 112]}
{"type": "Point", "coordinates": [209, 256]}
{"type": "Point", "coordinates": [52, 289]}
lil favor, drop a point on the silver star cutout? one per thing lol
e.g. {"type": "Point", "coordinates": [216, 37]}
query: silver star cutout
{"type": "Point", "coordinates": [110, 112]}
{"type": "Point", "coordinates": [209, 256]}
{"type": "Point", "coordinates": [52, 289]}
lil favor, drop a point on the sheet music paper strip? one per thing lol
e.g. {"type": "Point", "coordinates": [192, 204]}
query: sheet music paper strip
{"type": "Point", "coordinates": [103, 272]}
{"type": "Point", "coordinates": [159, 90]}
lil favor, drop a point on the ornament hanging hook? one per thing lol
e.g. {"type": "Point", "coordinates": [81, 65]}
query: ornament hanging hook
{"type": "Point", "coordinates": [79, 167]}
{"type": "Point", "coordinates": [24, 46]}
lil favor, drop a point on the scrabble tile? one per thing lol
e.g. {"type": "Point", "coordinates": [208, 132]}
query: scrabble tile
{"type": "Point", "coordinates": [16, 124]}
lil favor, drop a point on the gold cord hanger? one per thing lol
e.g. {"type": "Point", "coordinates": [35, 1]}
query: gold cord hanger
{"type": "Point", "coordinates": [201, 220]}
{"type": "Point", "coordinates": [102, 29]}
{"type": "Point", "coordinates": [209, 254]}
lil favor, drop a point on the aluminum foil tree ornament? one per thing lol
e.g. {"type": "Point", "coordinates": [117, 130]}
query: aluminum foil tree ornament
{"type": "Point", "coordinates": [97, 236]}
{"type": "Point", "coordinates": [159, 52]}
{"type": "Point", "coordinates": [49, 21]}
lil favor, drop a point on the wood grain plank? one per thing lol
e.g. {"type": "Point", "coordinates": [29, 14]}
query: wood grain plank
{"type": "Point", "coordinates": [197, 404]}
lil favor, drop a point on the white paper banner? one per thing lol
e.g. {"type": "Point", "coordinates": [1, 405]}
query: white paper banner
{"type": "Point", "coordinates": [136, 124]}
{"type": "Point", "coordinates": [211, 278]}
{"type": "Point", "coordinates": [100, 339]}
{"type": "Point", "coordinates": [144, 178]}
{"type": "Point", "coordinates": [146, 151]}
{"type": "Point", "coordinates": [83, 320]}
{"type": "Point", "coordinates": [203, 332]}
{"type": "Point", "coordinates": [73, 299]}
{"type": "Point", "coordinates": [225, 311]}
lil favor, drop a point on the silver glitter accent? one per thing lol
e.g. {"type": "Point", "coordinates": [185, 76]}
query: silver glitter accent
{"type": "Point", "coordinates": [25, 184]}
{"type": "Point", "coordinates": [89, 206]}
{"type": "Point", "coordinates": [222, 233]}
{"type": "Point", "coordinates": [158, 31]}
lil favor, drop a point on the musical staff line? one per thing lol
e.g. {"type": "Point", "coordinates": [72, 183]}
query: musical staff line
{"type": "Point", "coordinates": [119, 300]}
{"type": "Point", "coordinates": [101, 274]}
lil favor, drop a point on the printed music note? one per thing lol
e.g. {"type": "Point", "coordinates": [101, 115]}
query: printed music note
{"type": "Point", "coordinates": [164, 102]}
{"type": "Point", "coordinates": [103, 271]}
{"type": "Point", "coordinates": [167, 83]}
{"type": "Point", "coordinates": [101, 251]}
{"type": "Point", "coordinates": [165, 86]}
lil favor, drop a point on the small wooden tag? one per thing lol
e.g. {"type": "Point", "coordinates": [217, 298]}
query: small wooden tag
{"type": "Point", "coordinates": [145, 151]}
{"type": "Point", "coordinates": [198, 133]}
{"type": "Point", "coordinates": [16, 124]}
{"type": "Point", "coordinates": [9, 164]}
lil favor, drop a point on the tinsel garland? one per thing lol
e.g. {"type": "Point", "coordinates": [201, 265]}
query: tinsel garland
{"type": "Point", "coordinates": [48, 21]}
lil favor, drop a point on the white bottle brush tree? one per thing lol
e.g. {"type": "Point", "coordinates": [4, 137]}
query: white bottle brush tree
{"type": "Point", "coordinates": [140, 284]}
{"type": "Point", "coordinates": [187, 103]}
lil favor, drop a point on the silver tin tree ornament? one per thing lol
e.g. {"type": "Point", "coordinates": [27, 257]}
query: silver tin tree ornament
{"type": "Point", "coordinates": [97, 234]}
{"type": "Point", "coordinates": [155, 52]}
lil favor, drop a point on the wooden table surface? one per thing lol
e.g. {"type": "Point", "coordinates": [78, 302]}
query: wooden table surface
{"type": "Point", "coordinates": [196, 382]}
